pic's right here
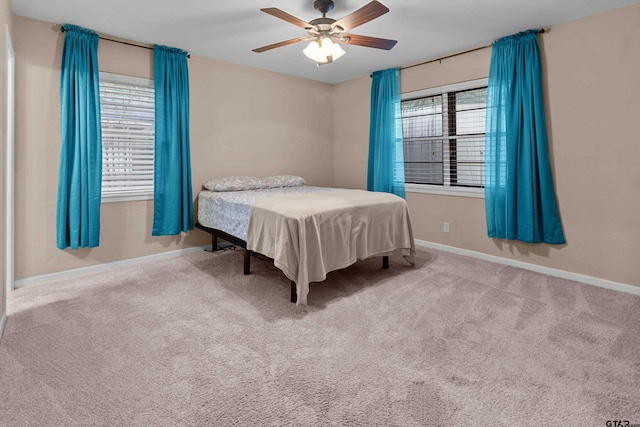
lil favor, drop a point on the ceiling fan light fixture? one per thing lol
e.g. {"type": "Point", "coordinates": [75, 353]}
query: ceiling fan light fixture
{"type": "Point", "coordinates": [324, 51]}
{"type": "Point", "coordinates": [313, 51]}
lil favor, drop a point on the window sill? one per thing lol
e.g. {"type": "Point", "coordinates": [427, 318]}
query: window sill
{"type": "Point", "coordinates": [118, 198]}
{"type": "Point", "coordinates": [477, 193]}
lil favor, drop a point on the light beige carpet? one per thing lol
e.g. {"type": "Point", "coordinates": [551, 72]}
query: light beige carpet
{"type": "Point", "coordinates": [192, 341]}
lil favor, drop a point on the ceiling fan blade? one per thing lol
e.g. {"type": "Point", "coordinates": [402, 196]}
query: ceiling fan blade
{"type": "Point", "coordinates": [280, 44]}
{"type": "Point", "coordinates": [361, 16]}
{"type": "Point", "coordinates": [274, 11]}
{"type": "Point", "coordinates": [367, 41]}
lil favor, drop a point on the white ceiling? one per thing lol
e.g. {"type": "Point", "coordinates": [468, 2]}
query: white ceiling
{"type": "Point", "coordinates": [228, 30]}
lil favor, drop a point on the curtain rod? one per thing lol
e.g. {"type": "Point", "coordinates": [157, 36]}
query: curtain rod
{"type": "Point", "coordinates": [62, 30]}
{"type": "Point", "coordinates": [541, 31]}
{"type": "Point", "coordinates": [445, 57]}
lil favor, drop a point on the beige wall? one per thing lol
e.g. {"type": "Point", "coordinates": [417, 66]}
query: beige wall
{"type": "Point", "coordinates": [248, 121]}
{"type": "Point", "coordinates": [243, 121]}
{"type": "Point", "coordinates": [592, 89]}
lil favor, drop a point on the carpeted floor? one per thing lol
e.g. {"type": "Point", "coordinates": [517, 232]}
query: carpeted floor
{"type": "Point", "coordinates": [191, 341]}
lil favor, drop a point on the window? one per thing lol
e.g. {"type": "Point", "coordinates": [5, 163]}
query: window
{"type": "Point", "coordinates": [128, 125]}
{"type": "Point", "coordinates": [443, 132]}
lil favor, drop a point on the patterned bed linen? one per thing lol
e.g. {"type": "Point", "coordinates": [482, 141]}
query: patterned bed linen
{"type": "Point", "coordinates": [230, 211]}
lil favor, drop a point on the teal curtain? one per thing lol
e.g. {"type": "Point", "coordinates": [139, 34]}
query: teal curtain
{"type": "Point", "coordinates": [173, 200]}
{"type": "Point", "coordinates": [80, 172]}
{"type": "Point", "coordinates": [520, 200]}
{"type": "Point", "coordinates": [386, 155]}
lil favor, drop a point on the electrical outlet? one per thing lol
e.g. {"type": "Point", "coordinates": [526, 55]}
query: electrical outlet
{"type": "Point", "coordinates": [445, 227]}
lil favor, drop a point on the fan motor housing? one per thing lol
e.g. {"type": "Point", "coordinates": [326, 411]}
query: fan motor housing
{"type": "Point", "coordinates": [322, 23]}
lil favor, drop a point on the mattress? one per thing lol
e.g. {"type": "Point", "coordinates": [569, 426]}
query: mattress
{"type": "Point", "coordinates": [230, 211]}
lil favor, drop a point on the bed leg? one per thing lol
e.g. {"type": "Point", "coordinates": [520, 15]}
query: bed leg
{"type": "Point", "coordinates": [247, 261]}
{"type": "Point", "coordinates": [385, 262]}
{"type": "Point", "coordinates": [214, 243]}
{"type": "Point", "coordinates": [294, 294]}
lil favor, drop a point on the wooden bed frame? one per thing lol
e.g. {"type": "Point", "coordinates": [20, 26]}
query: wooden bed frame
{"type": "Point", "coordinates": [247, 253]}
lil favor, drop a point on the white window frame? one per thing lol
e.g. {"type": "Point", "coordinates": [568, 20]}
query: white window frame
{"type": "Point", "coordinates": [131, 195]}
{"type": "Point", "coordinates": [445, 189]}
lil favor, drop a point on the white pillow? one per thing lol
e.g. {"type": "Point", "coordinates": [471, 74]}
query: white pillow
{"type": "Point", "coordinates": [282, 181]}
{"type": "Point", "coordinates": [234, 183]}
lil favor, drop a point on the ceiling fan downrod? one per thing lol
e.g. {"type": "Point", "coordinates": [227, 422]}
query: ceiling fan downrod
{"type": "Point", "coordinates": [323, 6]}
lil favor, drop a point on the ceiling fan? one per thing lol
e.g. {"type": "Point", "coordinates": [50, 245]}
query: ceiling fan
{"type": "Point", "coordinates": [326, 34]}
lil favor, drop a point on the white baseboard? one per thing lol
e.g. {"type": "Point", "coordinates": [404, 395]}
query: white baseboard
{"type": "Point", "coordinates": [2, 323]}
{"type": "Point", "coordinates": [105, 267]}
{"type": "Point", "coordinates": [589, 280]}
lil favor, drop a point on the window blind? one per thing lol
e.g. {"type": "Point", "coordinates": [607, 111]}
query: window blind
{"type": "Point", "coordinates": [128, 125]}
{"type": "Point", "coordinates": [444, 138]}
{"type": "Point", "coordinates": [422, 121]}
{"type": "Point", "coordinates": [467, 116]}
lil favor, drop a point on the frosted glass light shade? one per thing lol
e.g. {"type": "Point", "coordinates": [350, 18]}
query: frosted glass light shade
{"type": "Point", "coordinates": [326, 46]}
{"type": "Point", "coordinates": [313, 52]}
{"type": "Point", "coordinates": [337, 51]}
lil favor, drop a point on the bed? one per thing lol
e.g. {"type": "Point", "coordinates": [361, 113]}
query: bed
{"type": "Point", "coordinates": [308, 231]}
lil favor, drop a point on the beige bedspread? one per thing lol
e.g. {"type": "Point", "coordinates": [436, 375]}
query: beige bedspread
{"type": "Point", "coordinates": [309, 235]}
